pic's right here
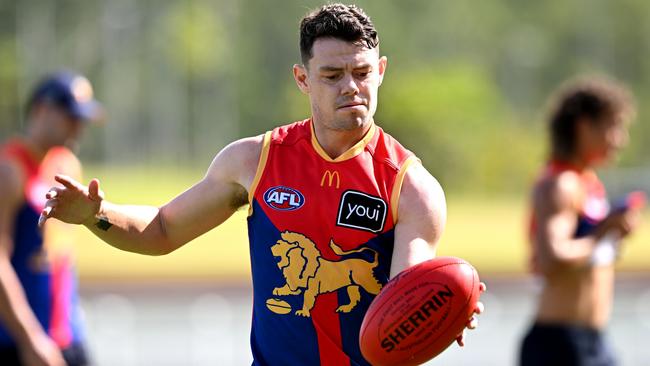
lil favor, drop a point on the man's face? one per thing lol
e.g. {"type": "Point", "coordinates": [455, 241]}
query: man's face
{"type": "Point", "coordinates": [60, 128]}
{"type": "Point", "coordinates": [601, 141]}
{"type": "Point", "coordinates": [342, 80]}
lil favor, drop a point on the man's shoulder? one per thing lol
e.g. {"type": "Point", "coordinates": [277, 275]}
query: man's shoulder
{"type": "Point", "coordinates": [11, 179]}
{"type": "Point", "coordinates": [238, 160]}
{"type": "Point", "coordinates": [291, 133]}
{"type": "Point", "coordinates": [245, 148]}
{"type": "Point", "coordinates": [60, 160]}
{"type": "Point", "coordinates": [422, 202]}
{"type": "Point", "coordinates": [559, 191]}
{"type": "Point", "coordinates": [12, 172]}
{"type": "Point", "coordinates": [11, 148]}
{"type": "Point", "coordinates": [386, 148]}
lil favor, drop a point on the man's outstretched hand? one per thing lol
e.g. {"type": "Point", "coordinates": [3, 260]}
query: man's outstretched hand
{"type": "Point", "coordinates": [72, 202]}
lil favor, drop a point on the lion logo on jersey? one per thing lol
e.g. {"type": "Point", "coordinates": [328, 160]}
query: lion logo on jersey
{"type": "Point", "coordinates": [304, 269]}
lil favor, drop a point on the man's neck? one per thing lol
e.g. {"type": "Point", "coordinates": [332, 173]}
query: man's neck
{"type": "Point", "coordinates": [336, 142]}
{"type": "Point", "coordinates": [35, 148]}
{"type": "Point", "coordinates": [575, 162]}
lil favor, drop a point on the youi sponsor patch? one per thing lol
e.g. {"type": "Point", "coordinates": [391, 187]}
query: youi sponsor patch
{"type": "Point", "coordinates": [358, 210]}
{"type": "Point", "coordinates": [283, 198]}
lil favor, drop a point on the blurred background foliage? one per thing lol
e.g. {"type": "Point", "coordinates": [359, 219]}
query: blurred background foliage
{"type": "Point", "coordinates": [466, 87]}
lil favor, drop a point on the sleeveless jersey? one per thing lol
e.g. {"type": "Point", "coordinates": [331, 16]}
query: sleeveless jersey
{"type": "Point", "coordinates": [321, 234]}
{"type": "Point", "coordinates": [45, 273]}
{"type": "Point", "coordinates": [595, 205]}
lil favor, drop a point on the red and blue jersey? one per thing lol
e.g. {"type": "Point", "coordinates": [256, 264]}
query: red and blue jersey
{"type": "Point", "coordinates": [321, 234]}
{"type": "Point", "coordinates": [44, 272]}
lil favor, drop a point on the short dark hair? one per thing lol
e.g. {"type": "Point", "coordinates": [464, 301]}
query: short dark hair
{"type": "Point", "coordinates": [345, 22]}
{"type": "Point", "coordinates": [589, 98]}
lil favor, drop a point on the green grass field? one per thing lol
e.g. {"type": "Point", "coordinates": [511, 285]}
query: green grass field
{"type": "Point", "coordinates": [488, 232]}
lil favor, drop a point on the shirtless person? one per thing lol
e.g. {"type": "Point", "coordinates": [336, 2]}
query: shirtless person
{"type": "Point", "coordinates": [575, 235]}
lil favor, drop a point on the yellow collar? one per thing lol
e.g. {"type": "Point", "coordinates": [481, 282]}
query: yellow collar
{"type": "Point", "coordinates": [350, 153]}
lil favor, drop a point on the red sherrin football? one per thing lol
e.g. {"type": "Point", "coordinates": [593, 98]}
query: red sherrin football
{"type": "Point", "coordinates": [420, 312]}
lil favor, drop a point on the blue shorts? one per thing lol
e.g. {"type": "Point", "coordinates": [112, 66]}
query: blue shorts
{"type": "Point", "coordinates": [565, 345]}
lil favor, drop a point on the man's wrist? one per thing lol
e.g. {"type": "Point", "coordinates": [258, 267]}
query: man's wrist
{"type": "Point", "coordinates": [102, 223]}
{"type": "Point", "coordinates": [99, 220]}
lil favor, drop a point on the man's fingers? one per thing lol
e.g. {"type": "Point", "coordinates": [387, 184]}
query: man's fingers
{"type": "Point", "coordinates": [49, 207]}
{"type": "Point", "coordinates": [52, 193]}
{"type": "Point", "coordinates": [47, 212]}
{"type": "Point", "coordinates": [480, 308]}
{"type": "Point", "coordinates": [473, 323]}
{"type": "Point", "coordinates": [461, 339]}
{"type": "Point", "coordinates": [67, 181]}
{"type": "Point", "coordinates": [94, 192]}
{"type": "Point", "coordinates": [41, 220]}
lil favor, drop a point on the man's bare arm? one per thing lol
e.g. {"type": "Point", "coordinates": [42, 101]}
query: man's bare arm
{"type": "Point", "coordinates": [156, 231]}
{"type": "Point", "coordinates": [422, 214]}
{"type": "Point", "coordinates": [556, 205]}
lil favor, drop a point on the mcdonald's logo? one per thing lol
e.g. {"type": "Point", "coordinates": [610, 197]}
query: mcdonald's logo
{"type": "Point", "coordinates": [330, 175]}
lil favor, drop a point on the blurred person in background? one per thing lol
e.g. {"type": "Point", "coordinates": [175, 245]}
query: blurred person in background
{"type": "Point", "coordinates": [295, 178]}
{"type": "Point", "coordinates": [39, 314]}
{"type": "Point", "coordinates": [575, 234]}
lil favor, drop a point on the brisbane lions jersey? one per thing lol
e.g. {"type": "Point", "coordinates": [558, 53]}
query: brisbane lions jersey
{"type": "Point", "coordinates": [43, 265]}
{"type": "Point", "coordinates": [321, 234]}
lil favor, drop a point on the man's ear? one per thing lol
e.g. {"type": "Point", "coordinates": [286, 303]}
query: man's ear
{"type": "Point", "coordinates": [301, 77]}
{"type": "Point", "coordinates": [383, 62]}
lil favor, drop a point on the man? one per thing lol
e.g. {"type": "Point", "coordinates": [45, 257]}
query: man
{"type": "Point", "coordinates": [325, 196]}
{"type": "Point", "coordinates": [39, 318]}
{"type": "Point", "coordinates": [575, 236]}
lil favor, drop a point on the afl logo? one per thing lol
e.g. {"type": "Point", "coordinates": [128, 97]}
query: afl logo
{"type": "Point", "coordinates": [283, 198]}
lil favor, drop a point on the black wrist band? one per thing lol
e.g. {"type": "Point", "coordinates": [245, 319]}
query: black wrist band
{"type": "Point", "coordinates": [103, 224]}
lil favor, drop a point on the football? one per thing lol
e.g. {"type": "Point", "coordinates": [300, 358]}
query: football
{"type": "Point", "coordinates": [420, 312]}
{"type": "Point", "coordinates": [278, 306]}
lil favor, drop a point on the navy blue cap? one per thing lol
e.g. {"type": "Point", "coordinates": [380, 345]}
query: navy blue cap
{"type": "Point", "coordinates": [70, 91]}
